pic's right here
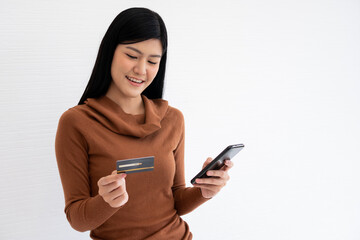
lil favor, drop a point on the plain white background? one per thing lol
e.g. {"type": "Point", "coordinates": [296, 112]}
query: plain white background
{"type": "Point", "coordinates": [280, 76]}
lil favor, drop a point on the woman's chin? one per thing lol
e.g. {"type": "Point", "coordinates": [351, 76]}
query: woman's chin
{"type": "Point", "coordinates": [133, 94]}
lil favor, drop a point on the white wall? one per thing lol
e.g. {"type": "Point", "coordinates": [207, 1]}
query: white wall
{"type": "Point", "coordinates": [282, 77]}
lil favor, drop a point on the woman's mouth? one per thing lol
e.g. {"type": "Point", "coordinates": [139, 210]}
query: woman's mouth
{"type": "Point", "coordinates": [134, 81]}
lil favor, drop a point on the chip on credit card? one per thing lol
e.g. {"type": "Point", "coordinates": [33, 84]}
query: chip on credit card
{"type": "Point", "coordinates": [135, 165]}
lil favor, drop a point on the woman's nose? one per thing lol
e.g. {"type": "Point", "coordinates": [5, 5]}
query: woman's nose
{"type": "Point", "coordinates": [140, 68]}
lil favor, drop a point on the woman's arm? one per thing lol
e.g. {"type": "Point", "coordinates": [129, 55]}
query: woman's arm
{"type": "Point", "coordinates": [186, 198]}
{"type": "Point", "coordinates": [82, 211]}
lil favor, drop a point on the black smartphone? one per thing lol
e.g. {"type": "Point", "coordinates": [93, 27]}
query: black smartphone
{"type": "Point", "coordinates": [228, 153]}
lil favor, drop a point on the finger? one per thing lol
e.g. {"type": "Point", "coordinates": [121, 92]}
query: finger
{"type": "Point", "coordinates": [104, 189]}
{"type": "Point", "coordinates": [208, 160]}
{"type": "Point", "coordinates": [119, 201]}
{"type": "Point", "coordinates": [228, 164]}
{"type": "Point", "coordinates": [110, 178]}
{"type": "Point", "coordinates": [116, 193]}
{"type": "Point", "coordinates": [218, 173]}
{"type": "Point", "coordinates": [211, 181]}
{"type": "Point", "coordinates": [212, 188]}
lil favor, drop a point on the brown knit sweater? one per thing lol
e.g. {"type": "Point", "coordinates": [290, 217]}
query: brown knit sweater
{"type": "Point", "coordinates": [92, 137]}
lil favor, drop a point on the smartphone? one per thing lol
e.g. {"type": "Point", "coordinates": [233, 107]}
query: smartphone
{"type": "Point", "coordinates": [228, 153]}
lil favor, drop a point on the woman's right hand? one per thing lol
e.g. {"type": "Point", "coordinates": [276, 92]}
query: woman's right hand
{"type": "Point", "coordinates": [112, 188]}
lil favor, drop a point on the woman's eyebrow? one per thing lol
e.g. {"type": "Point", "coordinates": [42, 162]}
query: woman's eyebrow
{"type": "Point", "coordinates": [138, 51]}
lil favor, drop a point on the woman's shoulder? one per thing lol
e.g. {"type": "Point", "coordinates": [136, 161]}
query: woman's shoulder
{"type": "Point", "coordinates": [173, 111]}
{"type": "Point", "coordinates": [74, 112]}
{"type": "Point", "coordinates": [174, 115]}
{"type": "Point", "coordinates": [73, 116]}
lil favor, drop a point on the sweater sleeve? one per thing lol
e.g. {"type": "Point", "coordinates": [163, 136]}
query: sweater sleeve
{"type": "Point", "coordinates": [82, 211]}
{"type": "Point", "coordinates": [186, 198]}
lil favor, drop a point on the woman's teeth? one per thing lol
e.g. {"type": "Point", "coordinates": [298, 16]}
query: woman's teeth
{"type": "Point", "coordinates": [134, 80]}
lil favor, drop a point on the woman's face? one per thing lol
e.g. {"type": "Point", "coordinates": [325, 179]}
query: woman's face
{"type": "Point", "coordinates": [134, 66]}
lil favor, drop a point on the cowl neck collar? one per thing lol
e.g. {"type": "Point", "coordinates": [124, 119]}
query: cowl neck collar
{"type": "Point", "coordinates": [111, 115]}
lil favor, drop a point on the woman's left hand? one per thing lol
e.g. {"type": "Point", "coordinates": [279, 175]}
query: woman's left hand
{"type": "Point", "coordinates": [216, 181]}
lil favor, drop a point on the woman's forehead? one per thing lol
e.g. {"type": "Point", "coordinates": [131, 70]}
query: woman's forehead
{"type": "Point", "coordinates": [148, 47]}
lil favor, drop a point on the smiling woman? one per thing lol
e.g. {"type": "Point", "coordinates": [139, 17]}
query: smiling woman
{"type": "Point", "coordinates": [122, 116]}
{"type": "Point", "coordinates": [130, 27]}
{"type": "Point", "coordinates": [133, 69]}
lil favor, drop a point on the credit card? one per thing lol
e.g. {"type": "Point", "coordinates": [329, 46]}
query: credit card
{"type": "Point", "coordinates": [135, 165]}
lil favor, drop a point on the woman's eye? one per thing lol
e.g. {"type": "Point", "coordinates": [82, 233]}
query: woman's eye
{"type": "Point", "coordinates": [132, 57]}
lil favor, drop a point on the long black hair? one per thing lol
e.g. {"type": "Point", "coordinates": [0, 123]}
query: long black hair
{"type": "Point", "coordinates": [130, 26]}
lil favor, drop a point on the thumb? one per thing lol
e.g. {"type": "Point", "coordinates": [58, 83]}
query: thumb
{"type": "Point", "coordinates": [122, 175]}
{"type": "Point", "coordinates": [208, 160]}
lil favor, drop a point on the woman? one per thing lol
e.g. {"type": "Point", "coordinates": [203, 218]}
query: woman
{"type": "Point", "coordinates": [122, 115]}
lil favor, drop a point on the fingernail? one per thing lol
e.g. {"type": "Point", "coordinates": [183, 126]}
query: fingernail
{"type": "Point", "coordinates": [209, 173]}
